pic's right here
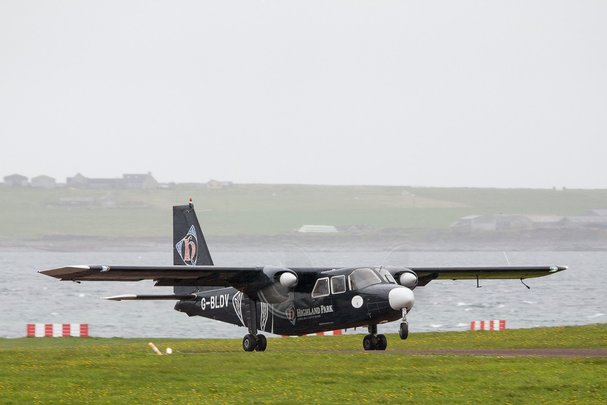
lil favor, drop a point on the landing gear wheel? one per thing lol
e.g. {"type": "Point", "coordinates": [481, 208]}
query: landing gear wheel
{"type": "Point", "coordinates": [369, 342]}
{"type": "Point", "coordinates": [403, 330]}
{"type": "Point", "coordinates": [382, 342]}
{"type": "Point", "coordinates": [249, 342]}
{"type": "Point", "coordinates": [262, 343]}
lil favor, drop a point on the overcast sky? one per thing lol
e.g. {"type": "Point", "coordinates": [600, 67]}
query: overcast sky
{"type": "Point", "coordinates": [431, 93]}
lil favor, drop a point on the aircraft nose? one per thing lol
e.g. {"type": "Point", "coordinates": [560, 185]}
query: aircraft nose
{"type": "Point", "coordinates": [401, 297]}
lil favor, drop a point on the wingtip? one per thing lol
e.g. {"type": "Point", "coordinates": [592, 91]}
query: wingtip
{"type": "Point", "coordinates": [60, 271]}
{"type": "Point", "coordinates": [121, 297]}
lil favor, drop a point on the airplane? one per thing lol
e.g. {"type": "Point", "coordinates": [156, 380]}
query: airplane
{"type": "Point", "coordinates": [288, 301]}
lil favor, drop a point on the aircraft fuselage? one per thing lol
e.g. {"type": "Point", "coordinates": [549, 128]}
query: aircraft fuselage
{"type": "Point", "coordinates": [341, 306]}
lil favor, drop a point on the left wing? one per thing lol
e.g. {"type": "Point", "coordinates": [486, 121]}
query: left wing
{"type": "Point", "coordinates": [427, 274]}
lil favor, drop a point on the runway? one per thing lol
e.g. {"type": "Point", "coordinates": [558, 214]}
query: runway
{"type": "Point", "coordinates": [537, 352]}
{"type": "Point", "coordinates": [534, 352]}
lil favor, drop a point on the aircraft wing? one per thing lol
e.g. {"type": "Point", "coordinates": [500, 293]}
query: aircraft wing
{"type": "Point", "coordinates": [427, 274]}
{"type": "Point", "coordinates": [238, 277]}
{"type": "Point", "coordinates": [254, 278]}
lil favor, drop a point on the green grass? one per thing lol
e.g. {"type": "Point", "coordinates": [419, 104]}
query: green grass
{"type": "Point", "coordinates": [29, 213]}
{"type": "Point", "coordinates": [309, 369]}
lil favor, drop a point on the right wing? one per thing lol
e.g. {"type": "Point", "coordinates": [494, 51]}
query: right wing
{"type": "Point", "coordinates": [240, 278]}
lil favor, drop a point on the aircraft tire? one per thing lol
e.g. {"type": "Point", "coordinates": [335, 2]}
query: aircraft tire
{"type": "Point", "coordinates": [368, 342]}
{"type": "Point", "coordinates": [382, 342]}
{"type": "Point", "coordinates": [262, 343]}
{"type": "Point", "coordinates": [403, 331]}
{"type": "Point", "coordinates": [249, 343]}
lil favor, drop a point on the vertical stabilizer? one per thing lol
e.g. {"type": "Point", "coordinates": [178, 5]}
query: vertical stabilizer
{"type": "Point", "coordinates": [189, 246]}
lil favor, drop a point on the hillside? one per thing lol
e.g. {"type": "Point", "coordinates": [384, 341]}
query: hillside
{"type": "Point", "coordinates": [251, 210]}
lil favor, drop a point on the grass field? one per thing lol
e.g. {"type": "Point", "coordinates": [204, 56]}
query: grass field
{"type": "Point", "coordinates": [30, 213]}
{"type": "Point", "coordinates": [308, 369]}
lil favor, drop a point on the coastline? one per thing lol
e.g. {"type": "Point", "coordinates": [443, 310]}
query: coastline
{"type": "Point", "coordinates": [543, 240]}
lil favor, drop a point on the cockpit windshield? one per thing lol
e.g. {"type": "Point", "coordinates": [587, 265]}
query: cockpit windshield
{"type": "Point", "coordinates": [364, 277]}
{"type": "Point", "coordinates": [386, 275]}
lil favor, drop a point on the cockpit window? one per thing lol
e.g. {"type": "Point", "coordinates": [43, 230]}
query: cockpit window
{"type": "Point", "coordinates": [361, 278]}
{"type": "Point", "coordinates": [386, 275]}
{"type": "Point", "coordinates": [321, 288]}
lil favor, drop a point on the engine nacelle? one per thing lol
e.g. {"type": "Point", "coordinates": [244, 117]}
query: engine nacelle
{"type": "Point", "coordinates": [283, 280]}
{"type": "Point", "coordinates": [407, 278]}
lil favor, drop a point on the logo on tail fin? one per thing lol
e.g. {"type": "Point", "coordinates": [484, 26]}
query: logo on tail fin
{"type": "Point", "coordinates": [188, 247]}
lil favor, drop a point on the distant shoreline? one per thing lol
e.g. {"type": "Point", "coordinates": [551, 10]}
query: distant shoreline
{"type": "Point", "coordinates": [397, 241]}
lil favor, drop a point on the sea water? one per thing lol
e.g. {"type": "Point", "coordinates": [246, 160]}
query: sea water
{"type": "Point", "coordinates": [576, 296]}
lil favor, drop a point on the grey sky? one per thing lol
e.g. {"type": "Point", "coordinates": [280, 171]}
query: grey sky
{"type": "Point", "coordinates": [436, 93]}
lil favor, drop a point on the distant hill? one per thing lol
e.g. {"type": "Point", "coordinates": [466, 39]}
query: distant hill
{"type": "Point", "coordinates": [258, 209]}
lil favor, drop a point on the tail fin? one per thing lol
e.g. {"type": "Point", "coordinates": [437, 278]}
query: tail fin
{"type": "Point", "coordinates": [189, 246]}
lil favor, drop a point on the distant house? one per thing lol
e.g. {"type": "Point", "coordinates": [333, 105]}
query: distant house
{"type": "Point", "coordinates": [473, 223]}
{"type": "Point", "coordinates": [503, 222]}
{"type": "Point", "coordinates": [78, 181]}
{"type": "Point", "coordinates": [218, 185]}
{"type": "Point", "coordinates": [127, 181]}
{"type": "Point", "coordinates": [43, 182]}
{"type": "Point", "coordinates": [317, 229]}
{"type": "Point", "coordinates": [16, 180]}
{"type": "Point", "coordinates": [139, 181]}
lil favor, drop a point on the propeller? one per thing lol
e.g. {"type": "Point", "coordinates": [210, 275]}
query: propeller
{"type": "Point", "coordinates": [288, 279]}
{"type": "Point", "coordinates": [282, 280]}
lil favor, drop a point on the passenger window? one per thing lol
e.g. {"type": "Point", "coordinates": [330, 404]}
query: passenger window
{"type": "Point", "coordinates": [321, 288]}
{"type": "Point", "coordinates": [338, 284]}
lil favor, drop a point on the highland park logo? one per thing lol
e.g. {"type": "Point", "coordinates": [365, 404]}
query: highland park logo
{"type": "Point", "coordinates": [188, 247]}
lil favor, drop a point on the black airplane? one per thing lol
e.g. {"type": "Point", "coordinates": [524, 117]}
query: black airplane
{"type": "Point", "coordinates": [285, 300]}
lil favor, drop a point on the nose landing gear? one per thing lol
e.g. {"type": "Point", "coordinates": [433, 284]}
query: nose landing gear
{"type": "Point", "coordinates": [403, 330]}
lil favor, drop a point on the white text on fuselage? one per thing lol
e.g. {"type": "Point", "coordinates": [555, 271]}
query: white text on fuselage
{"type": "Point", "coordinates": [215, 301]}
{"type": "Point", "coordinates": [305, 312]}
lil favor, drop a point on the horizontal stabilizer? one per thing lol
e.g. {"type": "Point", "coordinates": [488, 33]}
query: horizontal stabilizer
{"type": "Point", "coordinates": [133, 297]}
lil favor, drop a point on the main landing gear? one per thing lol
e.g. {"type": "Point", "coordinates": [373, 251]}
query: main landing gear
{"type": "Point", "coordinates": [373, 341]}
{"type": "Point", "coordinates": [252, 340]}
